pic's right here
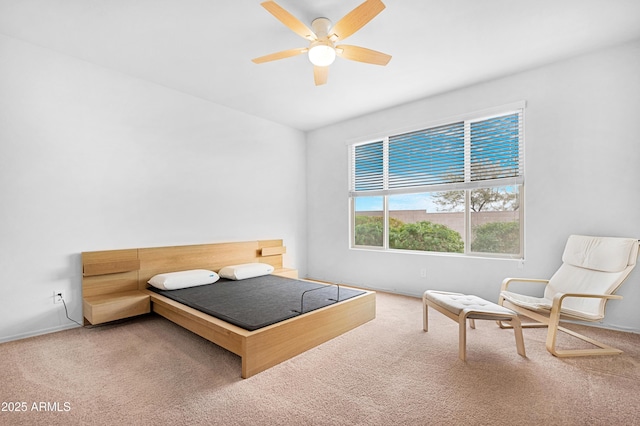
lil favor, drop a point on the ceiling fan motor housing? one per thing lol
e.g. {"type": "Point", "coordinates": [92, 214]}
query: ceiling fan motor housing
{"type": "Point", "coordinates": [321, 27]}
{"type": "Point", "coordinates": [322, 51]}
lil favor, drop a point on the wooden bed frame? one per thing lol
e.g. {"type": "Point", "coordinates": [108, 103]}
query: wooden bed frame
{"type": "Point", "coordinates": [115, 285]}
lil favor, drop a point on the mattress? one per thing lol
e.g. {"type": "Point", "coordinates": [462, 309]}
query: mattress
{"type": "Point", "coordinates": [258, 302]}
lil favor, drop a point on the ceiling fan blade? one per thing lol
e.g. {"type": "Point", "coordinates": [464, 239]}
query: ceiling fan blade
{"type": "Point", "coordinates": [356, 19]}
{"type": "Point", "coordinates": [289, 20]}
{"type": "Point", "coordinates": [280, 55]}
{"type": "Point", "coordinates": [361, 54]}
{"type": "Point", "coordinates": [320, 75]}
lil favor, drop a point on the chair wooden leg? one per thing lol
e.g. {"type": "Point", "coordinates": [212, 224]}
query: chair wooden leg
{"type": "Point", "coordinates": [472, 323]}
{"type": "Point", "coordinates": [502, 325]}
{"type": "Point", "coordinates": [462, 337]}
{"type": "Point", "coordinates": [554, 327]}
{"type": "Point", "coordinates": [552, 321]}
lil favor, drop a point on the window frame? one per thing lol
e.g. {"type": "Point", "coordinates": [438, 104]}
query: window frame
{"type": "Point", "coordinates": [468, 186]}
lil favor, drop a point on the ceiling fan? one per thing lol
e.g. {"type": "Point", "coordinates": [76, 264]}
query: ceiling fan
{"type": "Point", "coordinates": [322, 37]}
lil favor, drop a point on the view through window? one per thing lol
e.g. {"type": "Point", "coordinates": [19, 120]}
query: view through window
{"type": "Point", "coordinates": [452, 188]}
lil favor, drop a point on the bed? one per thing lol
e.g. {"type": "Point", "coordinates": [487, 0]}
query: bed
{"type": "Point", "coordinates": [115, 286]}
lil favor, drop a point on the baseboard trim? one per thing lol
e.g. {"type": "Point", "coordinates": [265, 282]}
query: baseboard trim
{"type": "Point", "coordinates": [37, 333]}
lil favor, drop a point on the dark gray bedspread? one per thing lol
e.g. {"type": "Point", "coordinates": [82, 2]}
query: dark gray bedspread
{"type": "Point", "coordinates": [258, 302]}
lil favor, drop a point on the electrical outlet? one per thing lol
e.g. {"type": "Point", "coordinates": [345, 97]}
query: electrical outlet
{"type": "Point", "coordinates": [57, 296]}
{"type": "Point", "coordinates": [423, 273]}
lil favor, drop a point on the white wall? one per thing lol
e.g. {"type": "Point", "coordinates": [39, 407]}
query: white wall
{"type": "Point", "coordinates": [92, 159]}
{"type": "Point", "coordinates": [582, 176]}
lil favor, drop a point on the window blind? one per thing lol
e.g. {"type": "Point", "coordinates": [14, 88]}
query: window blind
{"type": "Point", "coordinates": [495, 148]}
{"type": "Point", "coordinates": [368, 167]}
{"type": "Point", "coordinates": [427, 157]}
{"type": "Point", "coordinates": [459, 155]}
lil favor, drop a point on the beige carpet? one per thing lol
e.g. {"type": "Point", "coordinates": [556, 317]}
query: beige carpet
{"type": "Point", "coordinates": [388, 371]}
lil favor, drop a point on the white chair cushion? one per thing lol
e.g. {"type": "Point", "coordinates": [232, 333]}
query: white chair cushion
{"type": "Point", "coordinates": [543, 305]}
{"type": "Point", "coordinates": [599, 253]}
{"type": "Point", "coordinates": [591, 265]}
{"type": "Point", "coordinates": [531, 302]}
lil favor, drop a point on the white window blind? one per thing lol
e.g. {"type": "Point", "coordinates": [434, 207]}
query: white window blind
{"type": "Point", "coordinates": [454, 156]}
{"type": "Point", "coordinates": [427, 157]}
{"type": "Point", "coordinates": [495, 147]}
{"type": "Point", "coordinates": [368, 167]}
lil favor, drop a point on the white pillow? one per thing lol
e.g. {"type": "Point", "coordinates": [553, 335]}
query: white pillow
{"type": "Point", "coordinates": [183, 279]}
{"type": "Point", "coordinates": [245, 270]}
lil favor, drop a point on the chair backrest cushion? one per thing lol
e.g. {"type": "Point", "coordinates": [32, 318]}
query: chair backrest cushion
{"type": "Point", "coordinates": [605, 254]}
{"type": "Point", "coordinates": [593, 265]}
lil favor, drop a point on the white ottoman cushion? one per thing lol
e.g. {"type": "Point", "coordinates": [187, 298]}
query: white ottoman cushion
{"type": "Point", "coordinates": [457, 302]}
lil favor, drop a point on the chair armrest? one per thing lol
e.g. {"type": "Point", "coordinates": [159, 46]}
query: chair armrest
{"type": "Point", "coordinates": [556, 306]}
{"type": "Point", "coordinates": [507, 281]}
{"type": "Point", "coordinates": [559, 297]}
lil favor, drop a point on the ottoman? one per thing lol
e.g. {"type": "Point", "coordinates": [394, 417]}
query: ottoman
{"type": "Point", "coordinates": [460, 307]}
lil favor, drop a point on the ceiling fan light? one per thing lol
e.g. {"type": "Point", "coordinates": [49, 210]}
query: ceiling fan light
{"type": "Point", "coordinates": [322, 55]}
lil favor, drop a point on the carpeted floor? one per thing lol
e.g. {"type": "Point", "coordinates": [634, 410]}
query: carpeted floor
{"type": "Point", "coordinates": [388, 371]}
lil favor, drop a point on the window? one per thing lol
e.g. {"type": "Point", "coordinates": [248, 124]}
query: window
{"type": "Point", "coordinates": [454, 187]}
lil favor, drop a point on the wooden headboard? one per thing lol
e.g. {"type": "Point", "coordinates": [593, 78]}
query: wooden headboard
{"type": "Point", "coordinates": [113, 281]}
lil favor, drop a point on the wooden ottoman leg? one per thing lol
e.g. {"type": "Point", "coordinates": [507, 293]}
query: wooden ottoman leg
{"type": "Point", "coordinates": [462, 336]}
{"type": "Point", "coordinates": [425, 314]}
{"type": "Point", "coordinates": [517, 331]}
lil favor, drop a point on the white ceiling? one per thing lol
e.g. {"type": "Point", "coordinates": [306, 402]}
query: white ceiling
{"type": "Point", "coordinates": [204, 47]}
